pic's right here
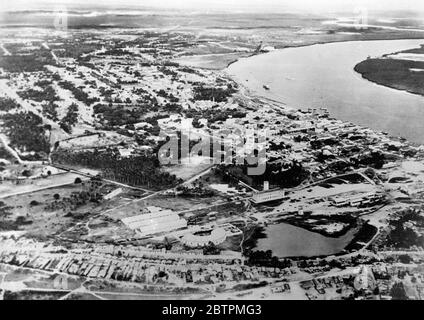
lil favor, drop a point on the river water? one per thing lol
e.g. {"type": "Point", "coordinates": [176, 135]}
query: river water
{"type": "Point", "coordinates": [323, 75]}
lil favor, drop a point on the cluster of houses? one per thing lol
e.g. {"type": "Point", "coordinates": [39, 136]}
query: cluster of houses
{"type": "Point", "coordinates": [137, 265]}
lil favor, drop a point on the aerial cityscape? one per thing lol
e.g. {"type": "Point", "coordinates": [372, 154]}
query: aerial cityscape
{"type": "Point", "coordinates": [211, 152]}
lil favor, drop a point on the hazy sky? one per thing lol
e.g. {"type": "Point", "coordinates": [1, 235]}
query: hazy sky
{"type": "Point", "coordinates": [245, 5]}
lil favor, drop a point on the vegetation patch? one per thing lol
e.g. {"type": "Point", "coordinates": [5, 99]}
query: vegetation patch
{"type": "Point", "coordinates": [26, 131]}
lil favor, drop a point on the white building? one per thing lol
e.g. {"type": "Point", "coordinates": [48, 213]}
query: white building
{"type": "Point", "coordinates": [268, 196]}
{"type": "Point", "coordinates": [155, 222]}
{"type": "Point", "coordinates": [355, 200]}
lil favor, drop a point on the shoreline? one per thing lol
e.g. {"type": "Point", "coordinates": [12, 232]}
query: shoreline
{"type": "Point", "coordinates": [384, 84]}
{"type": "Point", "coordinates": [321, 43]}
{"type": "Point", "coordinates": [253, 95]}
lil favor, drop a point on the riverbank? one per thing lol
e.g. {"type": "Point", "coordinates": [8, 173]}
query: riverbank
{"type": "Point", "coordinates": [310, 44]}
{"type": "Point", "coordinates": [222, 61]}
{"type": "Point", "coordinates": [323, 75]}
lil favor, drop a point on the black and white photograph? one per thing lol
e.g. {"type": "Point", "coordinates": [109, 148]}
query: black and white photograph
{"type": "Point", "coordinates": [212, 150]}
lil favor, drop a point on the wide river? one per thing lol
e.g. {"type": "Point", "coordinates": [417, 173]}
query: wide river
{"type": "Point", "coordinates": [323, 75]}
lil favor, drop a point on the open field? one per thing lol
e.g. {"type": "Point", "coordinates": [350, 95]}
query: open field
{"type": "Point", "coordinates": [9, 189]}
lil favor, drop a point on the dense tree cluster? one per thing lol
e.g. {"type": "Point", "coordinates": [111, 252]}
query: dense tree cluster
{"type": "Point", "coordinates": [195, 191]}
{"type": "Point", "coordinates": [7, 104]}
{"type": "Point", "coordinates": [217, 94]}
{"type": "Point", "coordinates": [168, 72]}
{"type": "Point", "coordinates": [70, 119]}
{"type": "Point", "coordinates": [70, 50]}
{"type": "Point", "coordinates": [266, 259]}
{"type": "Point", "coordinates": [4, 210]}
{"type": "Point", "coordinates": [398, 292]}
{"type": "Point", "coordinates": [119, 115]}
{"type": "Point", "coordinates": [162, 93]}
{"type": "Point", "coordinates": [213, 115]}
{"type": "Point", "coordinates": [138, 170]}
{"type": "Point", "coordinates": [47, 94]}
{"type": "Point", "coordinates": [211, 249]}
{"type": "Point", "coordinates": [402, 236]}
{"type": "Point", "coordinates": [284, 176]}
{"type": "Point", "coordinates": [372, 159]}
{"type": "Point", "coordinates": [27, 63]}
{"type": "Point", "coordinates": [26, 131]}
{"type": "Point", "coordinates": [49, 111]}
